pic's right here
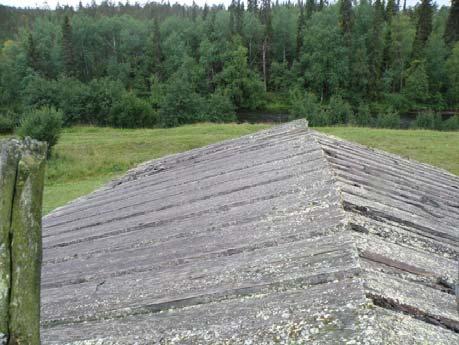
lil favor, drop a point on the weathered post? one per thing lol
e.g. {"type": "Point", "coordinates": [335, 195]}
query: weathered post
{"type": "Point", "coordinates": [22, 167]}
{"type": "Point", "coordinates": [9, 158]}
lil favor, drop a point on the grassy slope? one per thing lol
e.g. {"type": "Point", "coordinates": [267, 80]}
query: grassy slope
{"type": "Point", "coordinates": [87, 157]}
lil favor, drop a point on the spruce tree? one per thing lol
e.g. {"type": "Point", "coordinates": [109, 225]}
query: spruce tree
{"type": "Point", "coordinates": [33, 58]}
{"type": "Point", "coordinates": [266, 20]}
{"type": "Point", "coordinates": [345, 10]}
{"type": "Point", "coordinates": [391, 10]}
{"type": "Point", "coordinates": [205, 11]}
{"type": "Point", "coordinates": [300, 30]}
{"type": "Point", "coordinates": [423, 28]}
{"type": "Point", "coordinates": [252, 6]}
{"type": "Point", "coordinates": [321, 5]}
{"type": "Point", "coordinates": [310, 8]}
{"type": "Point", "coordinates": [452, 25]}
{"type": "Point", "coordinates": [68, 57]}
{"type": "Point", "coordinates": [375, 49]}
{"type": "Point", "coordinates": [155, 56]}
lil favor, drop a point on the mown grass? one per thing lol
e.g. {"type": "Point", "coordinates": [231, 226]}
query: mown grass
{"type": "Point", "coordinates": [88, 157]}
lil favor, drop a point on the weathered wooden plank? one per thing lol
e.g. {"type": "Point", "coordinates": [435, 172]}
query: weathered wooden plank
{"type": "Point", "coordinates": [297, 262]}
{"type": "Point", "coordinates": [421, 301]}
{"type": "Point", "coordinates": [283, 316]}
{"type": "Point", "coordinates": [235, 188]}
{"type": "Point", "coordinates": [285, 187]}
{"type": "Point", "coordinates": [427, 227]}
{"type": "Point", "coordinates": [398, 255]}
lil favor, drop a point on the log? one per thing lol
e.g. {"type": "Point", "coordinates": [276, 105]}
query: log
{"type": "Point", "coordinates": [9, 157]}
{"type": "Point", "coordinates": [26, 246]}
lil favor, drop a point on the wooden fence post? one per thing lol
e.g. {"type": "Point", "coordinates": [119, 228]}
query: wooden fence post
{"type": "Point", "coordinates": [22, 168]}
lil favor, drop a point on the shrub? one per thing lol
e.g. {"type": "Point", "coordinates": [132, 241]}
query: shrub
{"type": "Point", "coordinates": [43, 124]}
{"type": "Point", "coordinates": [103, 93]}
{"type": "Point", "coordinates": [396, 101]}
{"type": "Point", "coordinates": [220, 108]}
{"type": "Point", "coordinates": [39, 92]}
{"type": "Point", "coordinates": [181, 104]}
{"type": "Point", "coordinates": [8, 122]}
{"type": "Point", "coordinates": [362, 117]}
{"type": "Point", "coordinates": [338, 111]}
{"type": "Point", "coordinates": [428, 120]}
{"type": "Point", "coordinates": [452, 124]}
{"type": "Point", "coordinates": [132, 112]}
{"type": "Point", "coordinates": [388, 119]}
{"type": "Point", "coordinates": [73, 98]}
{"type": "Point", "coordinates": [303, 104]}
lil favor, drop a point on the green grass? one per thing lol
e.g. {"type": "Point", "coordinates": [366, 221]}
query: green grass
{"type": "Point", "coordinates": [88, 157]}
{"type": "Point", "coordinates": [433, 147]}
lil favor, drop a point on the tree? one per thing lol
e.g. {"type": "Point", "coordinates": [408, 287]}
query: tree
{"type": "Point", "coordinates": [452, 25]}
{"type": "Point", "coordinates": [238, 82]}
{"type": "Point", "coordinates": [266, 20]}
{"type": "Point", "coordinates": [67, 48]}
{"type": "Point", "coordinates": [154, 54]}
{"type": "Point", "coordinates": [300, 30]}
{"type": "Point", "coordinates": [391, 9]}
{"type": "Point", "coordinates": [252, 6]}
{"type": "Point", "coordinates": [325, 57]}
{"type": "Point", "coordinates": [423, 28]}
{"type": "Point", "coordinates": [205, 11]}
{"type": "Point", "coordinates": [310, 8]}
{"type": "Point", "coordinates": [375, 50]}
{"type": "Point", "coordinates": [33, 59]}
{"type": "Point", "coordinates": [417, 83]}
{"type": "Point", "coordinates": [452, 68]}
{"type": "Point", "coordinates": [345, 10]}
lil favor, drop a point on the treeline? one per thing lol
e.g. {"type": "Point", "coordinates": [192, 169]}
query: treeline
{"type": "Point", "coordinates": [166, 65]}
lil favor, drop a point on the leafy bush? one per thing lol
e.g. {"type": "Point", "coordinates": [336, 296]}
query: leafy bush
{"type": "Point", "coordinates": [181, 104]}
{"type": "Point", "coordinates": [451, 124]}
{"type": "Point", "coordinates": [72, 99]}
{"type": "Point", "coordinates": [303, 104]}
{"type": "Point", "coordinates": [388, 119]}
{"type": "Point", "coordinates": [103, 93]}
{"type": "Point", "coordinates": [39, 92]}
{"type": "Point", "coordinates": [43, 124]}
{"type": "Point", "coordinates": [428, 120]}
{"type": "Point", "coordinates": [338, 111]}
{"type": "Point", "coordinates": [8, 122]}
{"type": "Point", "coordinates": [362, 117]}
{"type": "Point", "coordinates": [395, 101]}
{"type": "Point", "coordinates": [220, 108]}
{"type": "Point", "coordinates": [132, 112]}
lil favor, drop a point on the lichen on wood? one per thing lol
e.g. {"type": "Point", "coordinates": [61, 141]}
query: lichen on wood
{"type": "Point", "coordinates": [8, 166]}
{"type": "Point", "coordinates": [22, 167]}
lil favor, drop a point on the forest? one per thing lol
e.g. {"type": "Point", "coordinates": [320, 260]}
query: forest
{"type": "Point", "coordinates": [160, 65]}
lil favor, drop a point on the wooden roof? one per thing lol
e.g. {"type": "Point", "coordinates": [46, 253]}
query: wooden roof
{"type": "Point", "coordinates": [286, 236]}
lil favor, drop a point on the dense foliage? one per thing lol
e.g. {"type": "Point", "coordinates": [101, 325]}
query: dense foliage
{"type": "Point", "coordinates": [166, 65]}
{"type": "Point", "coordinates": [43, 124]}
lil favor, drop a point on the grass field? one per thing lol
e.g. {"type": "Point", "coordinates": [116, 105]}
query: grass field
{"type": "Point", "coordinates": [88, 157]}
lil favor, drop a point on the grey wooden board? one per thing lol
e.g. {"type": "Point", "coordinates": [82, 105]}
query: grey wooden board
{"type": "Point", "coordinates": [249, 240]}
